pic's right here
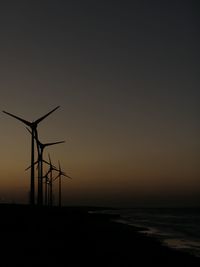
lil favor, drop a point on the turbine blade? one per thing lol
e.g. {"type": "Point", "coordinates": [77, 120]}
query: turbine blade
{"type": "Point", "coordinates": [54, 143]}
{"type": "Point", "coordinates": [63, 174]}
{"type": "Point", "coordinates": [49, 159]}
{"type": "Point", "coordinates": [46, 115]}
{"type": "Point", "coordinates": [28, 130]}
{"type": "Point", "coordinates": [54, 168]}
{"type": "Point", "coordinates": [51, 166]}
{"type": "Point", "coordinates": [31, 166]}
{"type": "Point", "coordinates": [46, 162]}
{"type": "Point", "coordinates": [56, 177]}
{"type": "Point", "coordinates": [46, 174]}
{"type": "Point", "coordinates": [59, 166]}
{"type": "Point", "coordinates": [18, 118]}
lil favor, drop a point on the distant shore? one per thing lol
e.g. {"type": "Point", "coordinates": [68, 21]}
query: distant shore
{"type": "Point", "coordinates": [73, 237]}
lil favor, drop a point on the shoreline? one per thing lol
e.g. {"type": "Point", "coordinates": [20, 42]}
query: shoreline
{"type": "Point", "coordinates": [72, 236]}
{"type": "Point", "coordinates": [179, 241]}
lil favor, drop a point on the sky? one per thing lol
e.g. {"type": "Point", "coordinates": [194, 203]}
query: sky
{"type": "Point", "coordinates": [126, 77]}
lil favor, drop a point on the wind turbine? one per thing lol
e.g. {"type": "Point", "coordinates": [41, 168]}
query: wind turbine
{"type": "Point", "coordinates": [50, 181]}
{"type": "Point", "coordinates": [44, 176]}
{"type": "Point", "coordinates": [59, 176]}
{"type": "Point", "coordinates": [33, 126]}
{"type": "Point", "coordinates": [41, 147]}
{"type": "Point", "coordinates": [46, 187]}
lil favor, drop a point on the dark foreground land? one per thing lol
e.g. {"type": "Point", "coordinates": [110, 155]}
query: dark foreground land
{"type": "Point", "coordinates": [72, 237]}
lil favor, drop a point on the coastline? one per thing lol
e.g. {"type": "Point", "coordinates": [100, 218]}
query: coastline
{"type": "Point", "coordinates": [72, 236]}
{"type": "Point", "coordinates": [175, 227]}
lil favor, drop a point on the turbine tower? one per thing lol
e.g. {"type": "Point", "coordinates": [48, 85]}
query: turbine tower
{"type": "Point", "coordinates": [59, 176]}
{"type": "Point", "coordinates": [49, 181]}
{"type": "Point", "coordinates": [33, 126]}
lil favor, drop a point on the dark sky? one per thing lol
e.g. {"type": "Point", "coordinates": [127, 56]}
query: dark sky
{"type": "Point", "coordinates": [126, 74]}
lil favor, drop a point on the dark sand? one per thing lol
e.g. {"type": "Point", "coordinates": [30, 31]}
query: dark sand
{"type": "Point", "coordinates": [72, 237]}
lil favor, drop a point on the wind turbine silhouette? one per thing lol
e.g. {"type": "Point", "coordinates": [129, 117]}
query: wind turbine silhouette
{"type": "Point", "coordinates": [49, 181]}
{"type": "Point", "coordinates": [52, 167]}
{"type": "Point", "coordinates": [41, 147]}
{"type": "Point", "coordinates": [59, 176]}
{"type": "Point", "coordinates": [46, 188]}
{"type": "Point", "coordinates": [33, 126]}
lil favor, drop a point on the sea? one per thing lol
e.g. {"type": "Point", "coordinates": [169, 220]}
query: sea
{"type": "Point", "coordinates": [178, 228]}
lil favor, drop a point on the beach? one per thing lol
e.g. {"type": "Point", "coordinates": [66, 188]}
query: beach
{"type": "Point", "coordinates": [73, 236]}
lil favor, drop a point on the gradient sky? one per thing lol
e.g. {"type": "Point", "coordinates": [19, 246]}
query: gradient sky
{"type": "Point", "coordinates": [126, 75]}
